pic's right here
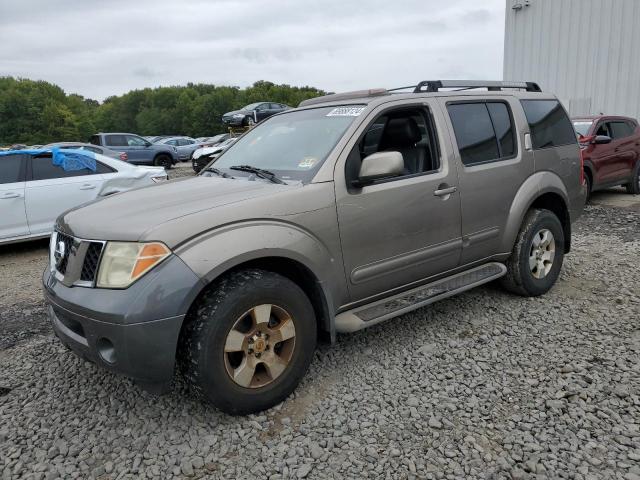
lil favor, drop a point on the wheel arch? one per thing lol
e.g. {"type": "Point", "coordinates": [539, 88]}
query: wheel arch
{"type": "Point", "coordinates": [542, 190]}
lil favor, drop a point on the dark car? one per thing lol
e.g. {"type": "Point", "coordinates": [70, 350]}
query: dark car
{"type": "Point", "coordinates": [139, 151]}
{"type": "Point", "coordinates": [610, 147]}
{"type": "Point", "coordinates": [91, 148]}
{"type": "Point", "coordinates": [253, 113]}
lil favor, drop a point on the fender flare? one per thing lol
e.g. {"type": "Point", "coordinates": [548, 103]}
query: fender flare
{"type": "Point", "coordinates": [533, 188]}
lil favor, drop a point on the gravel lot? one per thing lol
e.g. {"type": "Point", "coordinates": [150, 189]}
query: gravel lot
{"type": "Point", "coordinates": [484, 385]}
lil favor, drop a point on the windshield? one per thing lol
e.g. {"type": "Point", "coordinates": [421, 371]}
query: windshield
{"type": "Point", "coordinates": [582, 127]}
{"type": "Point", "coordinates": [292, 145]}
{"type": "Point", "coordinates": [251, 106]}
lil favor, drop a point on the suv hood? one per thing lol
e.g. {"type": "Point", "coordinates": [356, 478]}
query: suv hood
{"type": "Point", "coordinates": [127, 216]}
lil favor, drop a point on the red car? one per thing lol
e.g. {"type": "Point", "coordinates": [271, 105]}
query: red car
{"type": "Point", "coordinates": [610, 147]}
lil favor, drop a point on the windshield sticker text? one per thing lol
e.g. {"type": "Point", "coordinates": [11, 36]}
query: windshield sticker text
{"type": "Point", "coordinates": [346, 112]}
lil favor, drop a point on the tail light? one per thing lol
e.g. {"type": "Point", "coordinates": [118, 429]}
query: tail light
{"type": "Point", "coordinates": [124, 157]}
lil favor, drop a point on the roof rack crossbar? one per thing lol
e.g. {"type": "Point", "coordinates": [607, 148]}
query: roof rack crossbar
{"type": "Point", "coordinates": [436, 85]}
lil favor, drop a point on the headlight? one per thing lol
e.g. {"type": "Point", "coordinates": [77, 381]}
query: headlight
{"type": "Point", "coordinates": [124, 262]}
{"type": "Point", "coordinates": [238, 115]}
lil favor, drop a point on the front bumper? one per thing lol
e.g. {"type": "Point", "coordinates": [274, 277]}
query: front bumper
{"type": "Point", "coordinates": [134, 331]}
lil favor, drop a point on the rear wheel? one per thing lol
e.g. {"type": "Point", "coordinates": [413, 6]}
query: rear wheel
{"type": "Point", "coordinates": [633, 186]}
{"type": "Point", "coordinates": [163, 161]}
{"type": "Point", "coordinates": [537, 256]}
{"type": "Point", "coordinates": [248, 342]}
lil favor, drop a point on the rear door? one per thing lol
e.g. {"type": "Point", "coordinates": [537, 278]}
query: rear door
{"type": "Point", "coordinates": [119, 144]}
{"type": "Point", "coordinates": [50, 190]}
{"type": "Point", "coordinates": [491, 167]}
{"type": "Point", "coordinates": [603, 155]}
{"type": "Point", "coordinates": [13, 218]}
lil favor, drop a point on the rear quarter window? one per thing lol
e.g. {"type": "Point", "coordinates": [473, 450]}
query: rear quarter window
{"type": "Point", "coordinates": [549, 124]}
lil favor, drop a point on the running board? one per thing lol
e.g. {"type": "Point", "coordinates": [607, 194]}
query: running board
{"type": "Point", "coordinates": [376, 312]}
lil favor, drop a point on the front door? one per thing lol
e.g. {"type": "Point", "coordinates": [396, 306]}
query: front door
{"type": "Point", "coordinates": [13, 219]}
{"type": "Point", "coordinates": [403, 229]}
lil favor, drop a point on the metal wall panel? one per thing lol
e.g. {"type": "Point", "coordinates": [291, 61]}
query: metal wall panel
{"type": "Point", "coordinates": [584, 51]}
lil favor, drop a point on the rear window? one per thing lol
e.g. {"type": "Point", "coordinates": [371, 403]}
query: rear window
{"type": "Point", "coordinates": [11, 169]}
{"type": "Point", "coordinates": [549, 124]}
{"type": "Point", "coordinates": [484, 131]}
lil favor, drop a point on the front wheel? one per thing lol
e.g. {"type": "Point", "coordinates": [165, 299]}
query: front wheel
{"type": "Point", "coordinates": [537, 256]}
{"type": "Point", "coordinates": [633, 187]}
{"type": "Point", "coordinates": [248, 342]}
{"type": "Point", "coordinates": [163, 161]}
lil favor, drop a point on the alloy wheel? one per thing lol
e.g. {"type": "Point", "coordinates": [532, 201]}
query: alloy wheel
{"type": "Point", "coordinates": [259, 346]}
{"type": "Point", "coordinates": [542, 253]}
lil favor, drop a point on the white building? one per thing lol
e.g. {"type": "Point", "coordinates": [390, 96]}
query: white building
{"type": "Point", "coordinates": [587, 52]}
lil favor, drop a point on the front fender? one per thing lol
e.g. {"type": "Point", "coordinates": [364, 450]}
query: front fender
{"type": "Point", "coordinates": [535, 186]}
{"type": "Point", "coordinates": [217, 251]}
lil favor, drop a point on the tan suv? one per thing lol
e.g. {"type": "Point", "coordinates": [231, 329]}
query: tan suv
{"type": "Point", "coordinates": [345, 212]}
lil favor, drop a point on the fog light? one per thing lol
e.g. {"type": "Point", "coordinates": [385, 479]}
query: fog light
{"type": "Point", "coordinates": [106, 350]}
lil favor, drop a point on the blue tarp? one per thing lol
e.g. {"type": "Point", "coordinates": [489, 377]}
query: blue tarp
{"type": "Point", "coordinates": [68, 159]}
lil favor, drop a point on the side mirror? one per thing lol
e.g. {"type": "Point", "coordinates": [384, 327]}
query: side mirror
{"type": "Point", "coordinates": [380, 165]}
{"type": "Point", "coordinates": [601, 139]}
{"type": "Point", "coordinates": [147, 144]}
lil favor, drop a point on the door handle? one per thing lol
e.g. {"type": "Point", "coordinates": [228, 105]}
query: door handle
{"type": "Point", "coordinates": [87, 186]}
{"type": "Point", "coordinates": [442, 192]}
{"type": "Point", "coordinates": [11, 195]}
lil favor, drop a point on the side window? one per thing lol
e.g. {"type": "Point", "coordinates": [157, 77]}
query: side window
{"type": "Point", "coordinates": [549, 124]}
{"type": "Point", "coordinates": [116, 141]}
{"type": "Point", "coordinates": [134, 141]}
{"type": "Point", "coordinates": [95, 139]}
{"type": "Point", "coordinates": [603, 129]}
{"type": "Point", "coordinates": [102, 168]}
{"type": "Point", "coordinates": [409, 131]}
{"type": "Point", "coordinates": [620, 130]}
{"type": "Point", "coordinates": [503, 126]}
{"type": "Point", "coordinates": [474, 132]}
{"type": "Point", "coordinates": [11, 169]}
{"type": "Point", "coordinates": [42, 168]}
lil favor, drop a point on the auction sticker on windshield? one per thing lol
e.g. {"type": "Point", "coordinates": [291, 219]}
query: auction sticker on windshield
{"type": "Point", "coordinates": [346, 112]}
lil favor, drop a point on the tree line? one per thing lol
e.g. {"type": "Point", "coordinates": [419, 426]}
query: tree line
{"type": "Point", "coordinates": [39, 112]}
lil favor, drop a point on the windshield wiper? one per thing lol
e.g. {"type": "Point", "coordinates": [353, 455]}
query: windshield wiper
{"type": "Point", "coordinates": [217, 172]}
{"type": "Point", "coordinates": [259, 172]}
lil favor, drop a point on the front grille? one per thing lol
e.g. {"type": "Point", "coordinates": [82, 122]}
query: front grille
{"type": "Point", "coordinates": [91, 262]}
{"type": "Point", "coordinates": [68, 242]}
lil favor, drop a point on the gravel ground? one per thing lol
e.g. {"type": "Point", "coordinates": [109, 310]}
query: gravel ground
{"type": "Point", "coordinates": [484, 385]}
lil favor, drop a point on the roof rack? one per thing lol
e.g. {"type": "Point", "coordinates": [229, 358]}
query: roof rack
{"type": "Point", "coordinates": [436, 85]}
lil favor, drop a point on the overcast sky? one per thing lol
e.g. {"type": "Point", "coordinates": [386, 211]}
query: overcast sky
{"type": "Point", "coordinates": [102, 48]}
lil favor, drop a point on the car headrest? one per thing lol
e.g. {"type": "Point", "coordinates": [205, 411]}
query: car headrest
{"type": "Point", "coordinates": [400, 133]}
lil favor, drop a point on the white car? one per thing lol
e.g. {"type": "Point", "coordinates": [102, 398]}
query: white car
{"type": "Point", "coordinates": [203, 156]}
{"type": "Point", "coordinates": [34, 191]}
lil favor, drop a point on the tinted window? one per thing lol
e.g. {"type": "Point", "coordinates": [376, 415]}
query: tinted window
{"type": "Point", "coordinates": [44, 169]}
{"type": "Point", "coordinates": [11, 168]}
{"type": "Point", "coordinates": [95, 139]}
{"type": "Point", "coordinates": [503, 127]}
{"type": "Point", "coordinates": [474, 132]}
{"type": "Point", "coordinates": [116, 141]}
{"type": "Point", "coordinates": [620, 129]}
{"type": "Point", "coordinates": [549, 124]}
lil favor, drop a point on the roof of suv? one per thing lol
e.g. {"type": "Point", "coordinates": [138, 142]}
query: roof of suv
{"type": "Point", "coordinates": [431, 88]}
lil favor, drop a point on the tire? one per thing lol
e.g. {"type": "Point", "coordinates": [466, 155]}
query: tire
{"type": "Point", "coordinates": [248, 121]}
{"type": "Point", "coordinates": [633, 187]}
{"type": "Point", "coordinates": [589, 183]}
{"type": "Point", "coordinates": [237, 300]}
{"type": "Point", "coordinates": [163, 160]}
{"type": "Point", "coordinates": [522, 278]}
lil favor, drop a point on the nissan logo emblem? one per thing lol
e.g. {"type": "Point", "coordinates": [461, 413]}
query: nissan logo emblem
{"type": "Point", "coordinates": [58, 253]}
